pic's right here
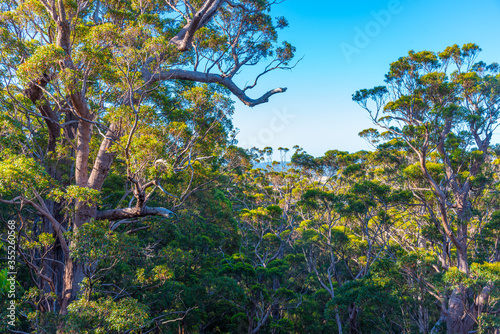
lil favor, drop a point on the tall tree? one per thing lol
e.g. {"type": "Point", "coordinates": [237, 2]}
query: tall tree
{"type": "Point", "coordinates": [443, 109]}
{"type": "Point", "coordinates": [93, 86]}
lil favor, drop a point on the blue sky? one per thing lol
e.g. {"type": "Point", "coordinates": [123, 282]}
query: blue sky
{"type": "Point", "coordinates": [317, 112]}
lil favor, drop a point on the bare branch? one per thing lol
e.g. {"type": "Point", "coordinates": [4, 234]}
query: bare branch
{"type": "Point", "coordinates": [118, 214]}
{"type": "Point", "coordinates": [216, 78]}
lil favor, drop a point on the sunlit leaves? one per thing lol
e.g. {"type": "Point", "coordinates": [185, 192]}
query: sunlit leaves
{"type": "Point", "coordinates": [106, 315]}
{"type": "Point", "coordinates": [73, 192]}
{"type": "Point", "coordinates": [20, 175]}
{"type": "Point", "coordinates": [43, 62]}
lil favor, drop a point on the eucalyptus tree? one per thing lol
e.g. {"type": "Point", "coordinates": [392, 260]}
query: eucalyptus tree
{"type": "Point", "coordinates": [92, 89]}
{"type": "Point", "coordinates": [442, 109]}
{"type": "Point", "coordinates": [266, 265]}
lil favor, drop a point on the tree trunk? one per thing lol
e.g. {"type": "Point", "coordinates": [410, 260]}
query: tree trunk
{"type": "Point", "coordinates": [422, 317]}
{"type": "Point", "coordinates": [73, 275]}
{"type": "Point", "coordinates": [250, 322]}
{"type": "Point", "coordinates": [82, 153]}
{"type": "Point", "coordinates": [459, 319]}
{"type": "Point", "coordinates": [463, 218]}
{"type": "Point", "coordinates": [353, 319]}
{"type": "Point", "coordinates": [455, 311]}
{"type": "Point", "coordinates": [339, 323]}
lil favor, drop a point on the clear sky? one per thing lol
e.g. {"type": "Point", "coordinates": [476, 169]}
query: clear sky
{"type": "Point", "coordinates": [317, 112]}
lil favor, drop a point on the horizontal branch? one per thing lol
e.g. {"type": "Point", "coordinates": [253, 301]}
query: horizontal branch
{"type": "Point", "coordinates": [177, 74]}
{"type": "Point", "coordinates": [117, 214]}
{"type": "Point", "coordinates": [43, 211]}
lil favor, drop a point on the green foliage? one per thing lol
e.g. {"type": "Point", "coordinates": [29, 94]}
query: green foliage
{"type": "Point", "coordinates": [44, 60]}
{"type": "Point", "coordinates": [21, 175]}
{"type": "Point", "coordinates": [106, 316]}
{"type": "Point", "coordinates": [95, 241]}
{"type": "Point", "coordinates": [354, 239]}
{"type": "Point", "coordinates": [3, 281]}
{"type": "Point", "coordinates": [73, 192]}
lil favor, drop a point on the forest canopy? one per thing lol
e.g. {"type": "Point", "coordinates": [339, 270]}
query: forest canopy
{"type": "Point", "coordinates": [127, 205]}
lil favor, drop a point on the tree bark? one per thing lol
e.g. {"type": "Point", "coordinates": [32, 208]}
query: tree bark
{"type": "Point", "coordinates": [353, 319]}
{"type": "Point", "coordinates": [73, 275]}
{"type": "Point", "coordinates": [104, 158]}
{"type": "Point", "coordinates": [118, 214]}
